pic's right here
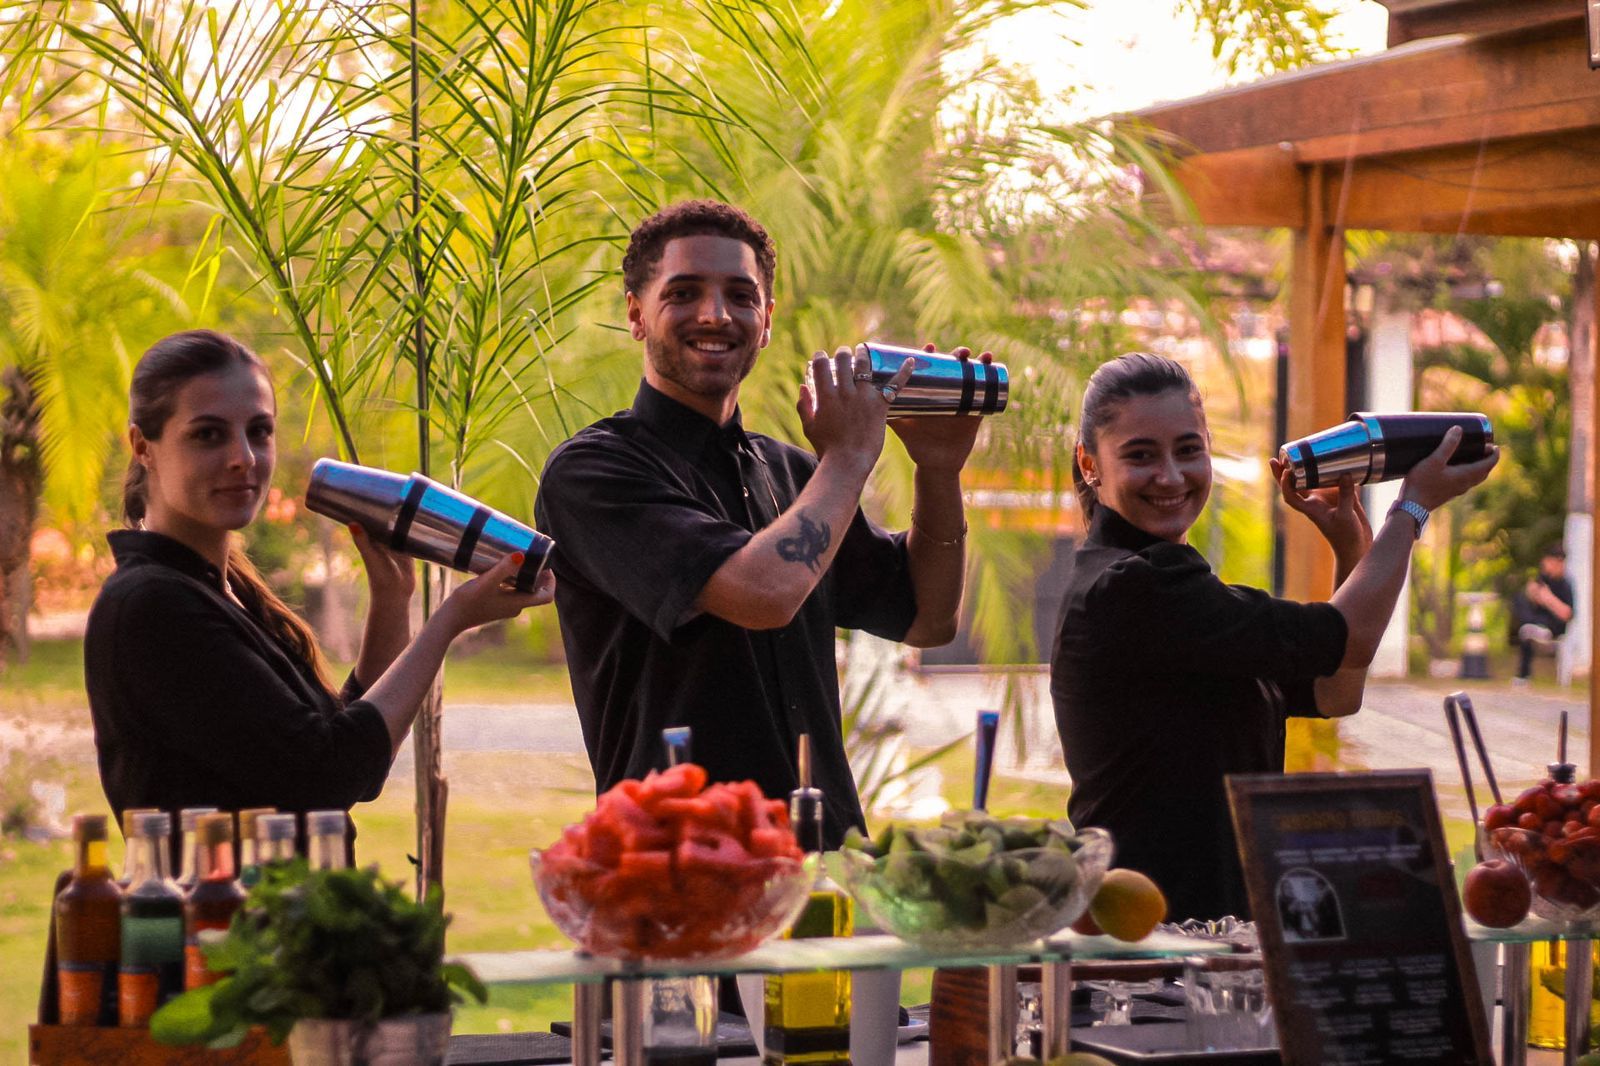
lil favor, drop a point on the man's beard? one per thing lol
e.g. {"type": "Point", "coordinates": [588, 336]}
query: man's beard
{"type": "Point", "coordinates": [670, 361]}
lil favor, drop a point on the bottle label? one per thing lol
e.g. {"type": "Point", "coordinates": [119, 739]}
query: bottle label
{"type": "Point", "coordinates": [88, 993]}
{"type": "Point", "coordinates": [195, 972]}
{"type": "Point", "coordinates": [138, 996]}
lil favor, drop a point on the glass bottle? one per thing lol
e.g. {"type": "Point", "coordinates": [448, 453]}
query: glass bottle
{"type": "Point", "coordinates": [215, 898]}
{"type": "Point", "coordinates": [88, 930]}
{"type": "Point", "coordinates": [807, 1015]}
{"type": "Point", "coordinates": [326, 832]}
{"type": "Point", "coordinates": [188, 819]}
{"type": "Point", "coordinates": [276, 836]}
{"type": "Point", "coordinates": [250, 844]}
{"type": "Point", "coordinates": [152, 925]}
{"type": "Point", "coordinates": [129, 853]}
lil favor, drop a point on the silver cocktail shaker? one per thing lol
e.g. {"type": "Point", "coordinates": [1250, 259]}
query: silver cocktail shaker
{"type": "Point", "coordinates": [1374, 448]}
{"type": "Point", "coordinates": [940, 384]}
{"type": "Point", "coordinates": [417, 516]}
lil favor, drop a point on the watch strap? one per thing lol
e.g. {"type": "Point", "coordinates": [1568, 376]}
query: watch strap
{"type": "Point", "coordinates": [1418, 513]}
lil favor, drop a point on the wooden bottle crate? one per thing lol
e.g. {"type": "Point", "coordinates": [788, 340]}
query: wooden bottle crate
{"type": "Point", "coordinates": [71, 1045]}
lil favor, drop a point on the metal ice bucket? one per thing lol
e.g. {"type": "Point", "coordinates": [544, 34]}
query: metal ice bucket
{"type": "Point", "coordinates": [417, 516]}
{"type": "Point", "coordinates": [940, 384]}
{"type": "Point", "coordinates": [1374, 448]}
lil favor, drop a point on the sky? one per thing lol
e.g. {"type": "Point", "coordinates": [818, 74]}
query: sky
{"type": "Point", "coordinates": [1137, 52]}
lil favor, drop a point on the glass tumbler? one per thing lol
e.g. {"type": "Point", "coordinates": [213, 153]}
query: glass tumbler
{"type": "Point", "coordinates": [680, 1021]}
{"type": "Point", "coordinates": [1228, 1010]}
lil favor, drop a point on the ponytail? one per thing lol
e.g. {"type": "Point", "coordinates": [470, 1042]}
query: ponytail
{"type": "Point", "coordinates": [170, 364]}
{"type": "Point", "coordinates": [1116, 381]}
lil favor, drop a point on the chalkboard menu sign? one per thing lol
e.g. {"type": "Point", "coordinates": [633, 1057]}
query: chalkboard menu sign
{"type": "Point", "coordinates": [1350, 885]}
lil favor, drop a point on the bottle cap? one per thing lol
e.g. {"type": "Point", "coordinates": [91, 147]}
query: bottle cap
{"type": "Point", "coordinates": [248, 818]}
{"type": "Point", "coordinates": [325, 823]}
{"type": "Point", "coordinates": [128, 817]}
{"type": "Point", "coordinates": [152, 824]}
{"type": "Point", "coordinates": [276, 827]}
{"type": "Point", "coordinates": [214, 829]}
{"type": "Point", "coordinates": [189, 817]}
{"type": "Point", "coordinates": [88, 827]}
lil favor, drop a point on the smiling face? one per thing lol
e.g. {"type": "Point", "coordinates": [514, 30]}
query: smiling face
{"type": "Point", "coordinates": [210, 468]}
{"type": "Point", "coordinates": [703, 318]}
{"type": "Point", "coordinates": [1151, 463]}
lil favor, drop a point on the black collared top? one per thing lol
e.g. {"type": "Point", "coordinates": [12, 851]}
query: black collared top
{"type": "Point", "coordinates": [644, 507]}
{"type": "Point", "coordinates": [196, 704]}
{"type": "Point", "coordinates": [1165, 680]}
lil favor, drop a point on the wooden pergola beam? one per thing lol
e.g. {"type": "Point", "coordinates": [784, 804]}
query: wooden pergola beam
{"type": "Point", "coordinates": [1449, 90]}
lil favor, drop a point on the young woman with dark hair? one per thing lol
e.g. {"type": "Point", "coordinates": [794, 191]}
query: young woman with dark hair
{"type": "Point", "coordinates": [1165, 679]}
{"type": "Point", "coordinates": [205, 688]}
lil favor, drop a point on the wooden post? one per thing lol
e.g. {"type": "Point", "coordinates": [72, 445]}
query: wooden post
{"type": "Point", "coordinates": [1316, 368]}
{"type": "Point", "coordinates": [1593, 355]}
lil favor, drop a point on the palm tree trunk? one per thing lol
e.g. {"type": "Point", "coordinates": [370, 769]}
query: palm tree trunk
{"type": "Point", "coordinates": [21, 481]}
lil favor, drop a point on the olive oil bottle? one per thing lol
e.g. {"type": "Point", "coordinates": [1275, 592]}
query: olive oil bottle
{"type": "Point", "coordinates": [808, 1014]}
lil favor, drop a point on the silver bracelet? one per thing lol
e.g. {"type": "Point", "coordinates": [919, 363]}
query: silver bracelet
{"type": "Point", "coordinates": [923, 534]}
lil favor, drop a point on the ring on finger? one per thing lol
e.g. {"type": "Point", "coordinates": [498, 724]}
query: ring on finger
{"type": "Point", "coordinates": [889, 392]}
{"type": "Point", "coordinates": [861, 375]}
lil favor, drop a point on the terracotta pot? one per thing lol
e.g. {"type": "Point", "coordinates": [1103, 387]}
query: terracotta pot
{"type": "Point", "coordinates": [414, 1040]}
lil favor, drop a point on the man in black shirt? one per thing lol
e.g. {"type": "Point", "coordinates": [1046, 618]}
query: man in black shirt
{"type": "Point", "coordinates": [702, 568]}
{"type": "Point", "coordinates": [1543, 609]}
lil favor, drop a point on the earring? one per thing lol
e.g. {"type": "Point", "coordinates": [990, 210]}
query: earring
{"type": "Point", "coordinates": [1092, 482]}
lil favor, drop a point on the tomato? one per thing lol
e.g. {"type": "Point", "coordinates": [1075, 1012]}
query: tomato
{"type": "Point", "coordinates": [1530, 821]}
{"type": "Point", "coordinates": [1571, 827]}
{"type": "Point", "coordinates": [1524, 801]}
{"type": "Point", "coordinates": [1567, 795]}
{"type": "Point", "coordinates": [1594, 817]}
{"type": "Point", "coordinates": [1499, 814]}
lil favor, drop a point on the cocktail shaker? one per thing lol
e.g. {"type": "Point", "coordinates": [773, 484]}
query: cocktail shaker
{"type": "Point", "coordinates": [940, 384]}
{"type": "Point", "coordinates": [417, 516]}
{"type": "Point", "coordinates": [1373, 447]}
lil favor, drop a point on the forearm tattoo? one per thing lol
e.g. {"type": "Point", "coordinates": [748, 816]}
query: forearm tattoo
{"type": "Point", "coordinates": [808, 545]}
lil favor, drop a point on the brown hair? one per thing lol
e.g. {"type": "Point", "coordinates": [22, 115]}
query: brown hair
{"type": "Point", "coordinates": [1118, 380]}
{"type": "Point", "coordinates": [695, 218]}
{"type": "Point", "coordinates": [169, 365]}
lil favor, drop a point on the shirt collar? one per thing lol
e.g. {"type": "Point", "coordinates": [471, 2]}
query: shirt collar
{"type": "Point", "coordinates": [688, 431]}
{"type": "Point", "coordinates": [1110, 528]}
{"type": "Point", "coordinates": [131, 545]}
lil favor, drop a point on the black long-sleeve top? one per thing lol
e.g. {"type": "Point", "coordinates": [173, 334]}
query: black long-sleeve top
{"type": "Point", "coordinates": [1165, 680]}
{"type": "Point", "coordinates": [196, 704]}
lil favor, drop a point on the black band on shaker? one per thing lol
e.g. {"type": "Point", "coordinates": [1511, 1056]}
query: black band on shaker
{"type": "Point", "coordinates": [991, 388]}
{"type": "Point", "coordinates": [408, 511]}
{"type": "Point", "coordinates": [469, 538]}
{"type": "Point", "coordinates": [969, 385]}
{"type": "Point", "coordinates": [1308, 459]}
{"type": "Point", "coordinates": [532, 564]}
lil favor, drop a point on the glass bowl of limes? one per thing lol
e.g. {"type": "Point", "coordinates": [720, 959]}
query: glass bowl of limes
{"type": "Point", "coordinates": [974, 882]}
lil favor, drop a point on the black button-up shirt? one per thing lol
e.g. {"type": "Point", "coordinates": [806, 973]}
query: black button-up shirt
{"type": "Point", "coordinates": [644, 507]}
{"type": "Point", "coordinates": [196, 704]}
{"type": "Point", "coordinates": [1165, 680]}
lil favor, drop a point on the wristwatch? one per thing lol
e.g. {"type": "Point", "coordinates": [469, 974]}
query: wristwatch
{"type": "Point", "coordinates": [1418, 513]}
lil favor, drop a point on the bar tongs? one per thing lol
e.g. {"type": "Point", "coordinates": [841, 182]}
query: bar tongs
{"type": "Point", "coordinates": [1458, 706]}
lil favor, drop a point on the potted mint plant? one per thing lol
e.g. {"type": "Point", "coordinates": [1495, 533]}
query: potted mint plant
{"type": "Point", "coordinates": [346, 965]}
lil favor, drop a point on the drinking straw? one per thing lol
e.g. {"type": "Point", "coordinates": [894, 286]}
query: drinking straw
{"type": "Point", "coordinates": [988, 725]}
{"type": "Point", "coordinates": [676, 738]}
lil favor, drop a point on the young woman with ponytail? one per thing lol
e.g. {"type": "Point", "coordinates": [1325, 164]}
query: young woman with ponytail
{"type": "Point", "coordinates": [1165, 679]}
{"type": "Point", "coordinates": [205, 688]}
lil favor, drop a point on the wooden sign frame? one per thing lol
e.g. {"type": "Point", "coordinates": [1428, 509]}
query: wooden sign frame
{"type": "Point", "coordinates": [1312, 931]}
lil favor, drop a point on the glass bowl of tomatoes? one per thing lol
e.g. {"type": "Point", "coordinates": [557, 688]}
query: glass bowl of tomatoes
{"type": "Point", "coordinates": [1552, 833]}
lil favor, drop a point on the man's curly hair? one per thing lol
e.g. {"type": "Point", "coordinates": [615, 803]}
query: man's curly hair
{"type": "Point", "coordinates": [694, 218]}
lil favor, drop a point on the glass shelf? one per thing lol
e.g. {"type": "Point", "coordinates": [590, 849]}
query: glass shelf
{"type": "Point", "coordinates": [1532, 930]}
{"type": "Point", "coordinates": [880, 952]}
